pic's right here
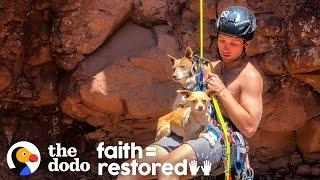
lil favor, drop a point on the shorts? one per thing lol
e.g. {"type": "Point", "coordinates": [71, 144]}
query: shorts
{"type": "Point", "coordinates": [201, 147]}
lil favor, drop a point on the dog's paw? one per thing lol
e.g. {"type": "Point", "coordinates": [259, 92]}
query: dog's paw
{"type": "Point", "coordinates": [161, 134]}
{"type": "Point", "coordinates": [157, 138]}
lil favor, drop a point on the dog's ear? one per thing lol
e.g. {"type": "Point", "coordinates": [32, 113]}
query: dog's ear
{"type": "Point", "coordinates": [188, 53]}
{"type": "Point", "coordinates": [184, 93]}
{"type": "Point", "coordinates": [172, 59]}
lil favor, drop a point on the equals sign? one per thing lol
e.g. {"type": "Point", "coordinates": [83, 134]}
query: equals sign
{"type": "Point", "coordinates": [151, 151]}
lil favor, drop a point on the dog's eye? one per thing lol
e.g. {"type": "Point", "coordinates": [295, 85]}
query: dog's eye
{"type": "Point", "coordinates": [194, 101]}
{"type": "Point", "coordinates": [174, 69]}
{"type": "Point", "coordinates": [203, 101]}
{"type": "Point", "coordinates": [183, 67]}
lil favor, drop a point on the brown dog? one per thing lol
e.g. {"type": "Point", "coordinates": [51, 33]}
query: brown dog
{"type": "Point", "coordinates": [183, 75]}
{"type": "Point", "coordinates": [187, 122]}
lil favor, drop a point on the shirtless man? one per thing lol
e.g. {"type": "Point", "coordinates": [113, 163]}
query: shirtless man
{"type": "Point", "coordinates": [237, 84]}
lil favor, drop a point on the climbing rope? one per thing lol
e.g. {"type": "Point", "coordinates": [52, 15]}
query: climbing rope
{"type": "Point", "coordinates": [216, 105]}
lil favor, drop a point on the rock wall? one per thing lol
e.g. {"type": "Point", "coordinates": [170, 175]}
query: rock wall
{"type": "Point", "coordinates": [80, 72]}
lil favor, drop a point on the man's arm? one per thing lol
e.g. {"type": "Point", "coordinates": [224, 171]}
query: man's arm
{"type": "Point", "coordinates": [247, 113]}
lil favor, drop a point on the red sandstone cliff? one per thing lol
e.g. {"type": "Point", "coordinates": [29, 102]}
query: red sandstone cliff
{"type": "Point", "coordinates": [81, 71]}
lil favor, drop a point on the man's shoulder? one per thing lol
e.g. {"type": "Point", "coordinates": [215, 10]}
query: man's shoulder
{"type": "Point", "coordinates": [251, 71]}
{"type": "Point", "coordinates": [251, 78]}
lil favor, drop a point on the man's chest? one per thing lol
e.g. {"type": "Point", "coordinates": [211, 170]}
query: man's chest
{"type": "Point", "coordinates": [233, 86]}
{"type": "Point", "coordinates": [232, 83]}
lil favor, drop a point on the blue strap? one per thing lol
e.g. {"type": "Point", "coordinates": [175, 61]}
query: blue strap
{"type": "Point", "coordinates": [202, 83]}
{"type": "Point", "coordinates": [213, 112]}
{"type": "Point", "coordinates": [214, 131]}
{"type": "Point", "coordinates": [198, 85]}
{"type": "Point", "coordinates": [239, 151]}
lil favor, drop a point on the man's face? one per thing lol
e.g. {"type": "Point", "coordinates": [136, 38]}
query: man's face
{"type": "Point", "coordinates": [229, 47]}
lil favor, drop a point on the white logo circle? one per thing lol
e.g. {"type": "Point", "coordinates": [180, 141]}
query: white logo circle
{"type": "Point", "coordinates": [24, 158]}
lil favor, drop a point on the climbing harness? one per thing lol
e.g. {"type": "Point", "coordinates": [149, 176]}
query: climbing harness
{"type": "Point", "coordinates": [240, 167]}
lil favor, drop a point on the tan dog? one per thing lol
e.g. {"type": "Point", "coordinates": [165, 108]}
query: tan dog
{"type": "Point", "coordinates": [187, 122]}
{"type": "Point", "coordinates": [182, 74]}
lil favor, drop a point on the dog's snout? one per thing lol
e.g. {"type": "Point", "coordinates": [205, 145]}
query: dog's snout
{"type": "Point", "coordinates": [200, 108]}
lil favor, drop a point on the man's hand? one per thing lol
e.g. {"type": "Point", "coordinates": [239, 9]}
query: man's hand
{"type": "Point", "coordinates": [214, 84]}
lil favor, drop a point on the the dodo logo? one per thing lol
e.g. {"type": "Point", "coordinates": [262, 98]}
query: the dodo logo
{"type": "Point", "coordinates": [23, 158]}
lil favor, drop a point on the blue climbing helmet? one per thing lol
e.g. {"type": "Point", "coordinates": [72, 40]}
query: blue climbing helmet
{"type": "Point", "coordinates": [237, 21]}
